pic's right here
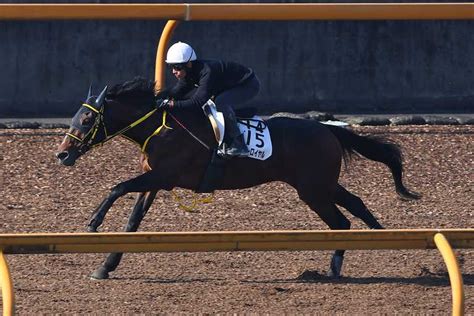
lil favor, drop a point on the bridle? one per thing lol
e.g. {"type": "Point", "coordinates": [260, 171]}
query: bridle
{"type": "Point", "coordinates": [89, 140]}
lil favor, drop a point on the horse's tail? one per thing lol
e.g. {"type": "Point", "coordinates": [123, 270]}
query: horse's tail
{"type": "Point", "coordinates": [377, 149]}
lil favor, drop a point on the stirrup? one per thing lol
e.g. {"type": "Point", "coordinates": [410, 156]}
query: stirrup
{"type": "Point", "coordinates": [221, 152]}
{"type": "Point", "coordinates": [227, 152]}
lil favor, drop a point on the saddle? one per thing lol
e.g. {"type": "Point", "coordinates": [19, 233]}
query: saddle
{"type": "Point", "coordinates": [255, 130]}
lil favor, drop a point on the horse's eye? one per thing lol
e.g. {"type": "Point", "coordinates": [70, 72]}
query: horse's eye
{"type": "Point", "coordinates": [86, 118]}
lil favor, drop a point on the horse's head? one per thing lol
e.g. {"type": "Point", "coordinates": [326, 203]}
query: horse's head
{"type": "Point", "coordinates": [86, 130]}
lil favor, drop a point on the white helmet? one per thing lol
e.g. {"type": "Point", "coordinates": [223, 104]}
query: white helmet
{"type": "Point", "coordinates": [180, 53]}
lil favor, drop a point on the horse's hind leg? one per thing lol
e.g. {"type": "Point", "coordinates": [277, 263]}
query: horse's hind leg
{"type": "Point", "coordinates": [142, 205]}
{"type": "Point", "coordinates": [355, 206]}
{"type": "Point", "coordinates": [333, 217]}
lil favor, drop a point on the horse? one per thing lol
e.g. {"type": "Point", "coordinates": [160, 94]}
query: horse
{"type": "Point", "coordinates": [177, 146]}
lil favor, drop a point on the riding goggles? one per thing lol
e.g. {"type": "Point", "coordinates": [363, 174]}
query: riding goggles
{"type": "Point", "coordinates": [178, 67]}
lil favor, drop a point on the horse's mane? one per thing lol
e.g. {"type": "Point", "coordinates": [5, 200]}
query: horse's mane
{"type": "Point", "coordinates": [137, 91]}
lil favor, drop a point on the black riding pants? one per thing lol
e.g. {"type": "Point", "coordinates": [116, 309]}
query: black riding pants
{"type": "Point", "coordinates": [236, 97]}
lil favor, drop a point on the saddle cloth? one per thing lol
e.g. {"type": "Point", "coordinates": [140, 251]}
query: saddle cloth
{"type": "Point", "coordinates": [255, 130]}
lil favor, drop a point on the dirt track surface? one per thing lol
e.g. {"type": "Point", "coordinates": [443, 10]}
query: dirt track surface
{"type": "Point", "coordinates": [38, 195]}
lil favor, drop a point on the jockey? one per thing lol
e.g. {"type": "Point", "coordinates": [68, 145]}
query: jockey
{"type": "Point", "coordinates": [198, 80]}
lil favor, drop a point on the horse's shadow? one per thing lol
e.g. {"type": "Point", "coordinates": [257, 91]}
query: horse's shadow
{"type": "Point", "coordinates": [176, 280]}
{"type": "Point", "coordinates": [316, 277]}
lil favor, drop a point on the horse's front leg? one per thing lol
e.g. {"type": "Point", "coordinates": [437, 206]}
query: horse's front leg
{"type": "Point", "coordinates": [143, 203]}
{"type": "Point", "coordinates": [148, 181]}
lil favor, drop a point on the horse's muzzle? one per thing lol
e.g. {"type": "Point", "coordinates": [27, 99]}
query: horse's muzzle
{"type": "Point", "coordinates": [67, 158]}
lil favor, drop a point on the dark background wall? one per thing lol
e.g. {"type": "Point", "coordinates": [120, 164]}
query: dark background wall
{"type": "Point", "coordinates": [334, 66]}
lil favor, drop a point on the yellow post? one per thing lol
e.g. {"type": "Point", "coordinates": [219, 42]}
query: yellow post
{"type": "Point", "coordinates": [455, 276]}
{"type": "Point", "coordinates": [160, 53]}
{"type": "Point", "coordinates": [8, 297]}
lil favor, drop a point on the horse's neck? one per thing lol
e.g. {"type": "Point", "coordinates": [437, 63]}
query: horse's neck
{"type": "Point", "coordinates": [195, 121]}
{"type": "Point", "coordinates": [119, 118]}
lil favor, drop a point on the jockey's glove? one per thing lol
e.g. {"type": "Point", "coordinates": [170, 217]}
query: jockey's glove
{"type": "Point", "coordinates": [162, 104]}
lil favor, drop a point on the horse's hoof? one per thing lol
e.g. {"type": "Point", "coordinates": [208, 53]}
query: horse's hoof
{"type": "Point", "coordinates": [91, 229]}
{"type": "Point", "coordinates": [333, 275]}
{"type": "Point", "coordinates": [336, 267]}
{"type": "Point", "coordinates": [100, 274]}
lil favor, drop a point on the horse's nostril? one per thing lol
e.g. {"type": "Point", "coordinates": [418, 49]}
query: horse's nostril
{"type": "Point", "coordinates": [62, 155]}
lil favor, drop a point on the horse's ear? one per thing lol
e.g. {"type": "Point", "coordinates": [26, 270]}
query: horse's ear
{"type": "Point", "coordinates": [100, 99]}
{"type": "Point", "coordinates": [89, 94]}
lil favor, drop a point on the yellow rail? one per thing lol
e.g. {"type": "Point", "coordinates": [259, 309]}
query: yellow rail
{"type": "Point", "coordinates": [238, 241]}
{"type": "Point", "coordinates": [233, 11]}
{"type": "Point", "coordinates": [455, 276]}
{"type": "Point", "coordinates": [230, 241]}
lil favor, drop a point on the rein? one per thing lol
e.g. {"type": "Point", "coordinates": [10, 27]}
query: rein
{"type": "Point", "coordinates": [100, 121]}
{"type": "Point", "coordinates": [189, 132]}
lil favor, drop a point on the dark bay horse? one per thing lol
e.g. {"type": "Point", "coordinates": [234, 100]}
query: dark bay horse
{"type": "Point", "coordinates": [306, 154]}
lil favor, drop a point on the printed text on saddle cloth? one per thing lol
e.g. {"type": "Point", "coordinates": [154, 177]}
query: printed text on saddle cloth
{"type": "Point", "coordinates": [257, 137]}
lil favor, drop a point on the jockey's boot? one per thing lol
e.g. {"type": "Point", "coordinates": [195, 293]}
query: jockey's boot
{"type": "Point", "coordinates": [234, 144]}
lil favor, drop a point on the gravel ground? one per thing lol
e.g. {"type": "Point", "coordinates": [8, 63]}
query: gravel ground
{"type": "Point", "coordinates": [41, 196]}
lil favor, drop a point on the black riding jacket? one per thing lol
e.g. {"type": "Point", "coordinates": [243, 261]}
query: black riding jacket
{"type": "Point", "coordinates": [207, 78]}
